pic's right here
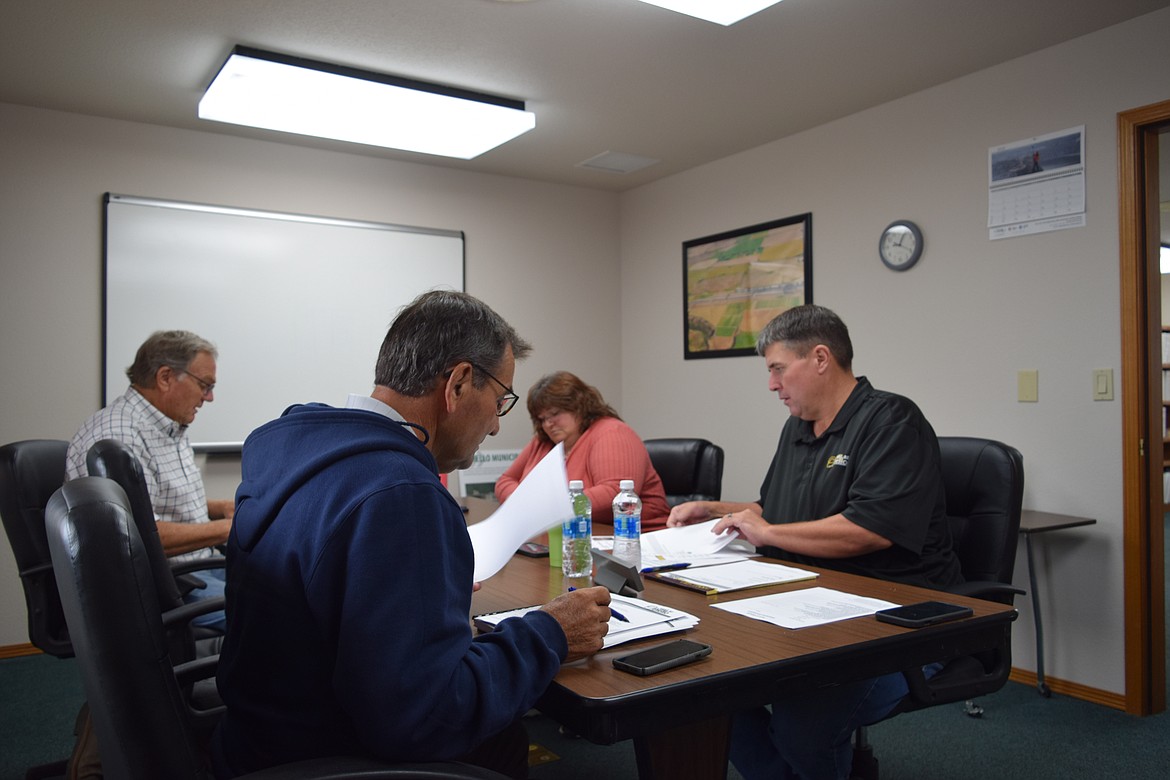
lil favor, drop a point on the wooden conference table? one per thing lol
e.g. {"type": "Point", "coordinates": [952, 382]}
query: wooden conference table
{"type": "Point", "coordinates": [680, 719]}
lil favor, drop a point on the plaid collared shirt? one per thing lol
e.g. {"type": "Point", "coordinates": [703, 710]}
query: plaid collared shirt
{"type": "Point", "coordinates": [161, 446]}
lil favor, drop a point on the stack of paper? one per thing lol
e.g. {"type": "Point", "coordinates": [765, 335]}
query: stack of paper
{"type": "Point", "coordinates": [733, 576]}
{"type": "Point", "coordinates": [642, 619]}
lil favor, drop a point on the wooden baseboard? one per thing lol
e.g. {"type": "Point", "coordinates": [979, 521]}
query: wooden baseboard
{"type": "Point", "coordinates": [1074, 690]}
{"type": "Point", "coordinates": [16, 651]}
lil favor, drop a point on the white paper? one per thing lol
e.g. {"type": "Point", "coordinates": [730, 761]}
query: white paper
{"type": "Point", "coordinates": [605, 543]}
{"type": "Point", "coordinates": [679, 542]}
{"type": "Point", "coordinates": [688, 562]}
{"type": "Point", "coordinates": [540, 501]}
{"type": "Point", "coordinates": [737, 576]}
{"type": "Point", "coordinates": [655, 557]}
{"type": "Point", "coordinates": [643, 619]}
{"type": "Point", "coordinates": [803, 608]}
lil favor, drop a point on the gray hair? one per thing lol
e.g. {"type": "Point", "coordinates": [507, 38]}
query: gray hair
{"type": "Point", "coordinates": [437, 330]}
{"type": "Point", "coordinates": [803, 327]}
{"type": "Point", "coordinates": [174, 348]}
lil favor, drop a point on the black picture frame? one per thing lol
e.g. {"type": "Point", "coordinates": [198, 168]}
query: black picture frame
{"type": "Point", "coordinates": [735, 282]}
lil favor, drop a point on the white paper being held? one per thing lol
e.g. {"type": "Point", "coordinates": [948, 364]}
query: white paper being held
{"type": "Point", "coordinates": [540, 501]}
{"type": "Point", "coordinates": [679, 542]}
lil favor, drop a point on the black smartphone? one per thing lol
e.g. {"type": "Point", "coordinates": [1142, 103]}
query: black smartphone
{"type": "Point", "coordinates": [662, 657]}
{"type": "Point", "coordinates": [925, 613]}
{"type": "Point", "coordinates": [533, 550]}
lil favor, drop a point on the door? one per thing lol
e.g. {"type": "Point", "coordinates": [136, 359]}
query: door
{"type": "Point", "coordinates": [1142, 436]}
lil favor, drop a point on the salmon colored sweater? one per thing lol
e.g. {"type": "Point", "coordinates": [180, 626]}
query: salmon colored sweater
{"type": "Point", "coordinates": [605, 454]}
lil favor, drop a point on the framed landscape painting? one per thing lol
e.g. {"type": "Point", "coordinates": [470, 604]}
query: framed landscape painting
{"type": "Point", "coordinates": [735, 282]}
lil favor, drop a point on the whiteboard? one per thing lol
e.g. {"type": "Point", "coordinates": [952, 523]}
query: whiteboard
{"type": "Point", "coordinates": [296, 305]}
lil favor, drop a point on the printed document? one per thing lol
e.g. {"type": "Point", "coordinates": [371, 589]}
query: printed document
{"type": "Point", "coordinates": [803, 608]}
{"type": "Point", "coordinates": [643, 619]}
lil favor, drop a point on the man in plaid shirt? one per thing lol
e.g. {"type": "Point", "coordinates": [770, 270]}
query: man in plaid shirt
{"type": "Point", "coordinates": [172, 376]}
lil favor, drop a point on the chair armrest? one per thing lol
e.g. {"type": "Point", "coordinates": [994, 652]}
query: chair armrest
{"type": "Point", "coordinates": [204, 706]}
{"type": "Point", "coordinates": [188, 582]}
{"type": "Point", "coordinates": [199, 564]}
{"type": "Point", "coordinates": [962, 678]}
{"type": "Point", "coordinates": [38, 569]}
{"type": "Point", "coordinates": [180, 616]}
{"type": "Point", "coordinates": [981, 589]}
{"type": "Point", "coordinates": [191, 672]}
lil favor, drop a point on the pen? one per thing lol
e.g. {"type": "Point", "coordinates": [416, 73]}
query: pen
{"type": "Point", "coordinates": [612, 611]}
{"type": "Point", "coordinates": [667, 567]}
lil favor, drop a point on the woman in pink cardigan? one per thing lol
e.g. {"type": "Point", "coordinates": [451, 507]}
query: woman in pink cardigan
{"type": "Point", "coordinates": [600, 449]}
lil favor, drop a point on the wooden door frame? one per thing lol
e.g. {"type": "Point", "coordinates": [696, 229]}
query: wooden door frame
{"type": "Point", "coordinates": [1142, 443]}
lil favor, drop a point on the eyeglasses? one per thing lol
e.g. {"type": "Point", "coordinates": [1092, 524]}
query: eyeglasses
{"type": "Point", "coordinates": [207, 387]}
{"type": "Point", "coordinates": [506, 401]}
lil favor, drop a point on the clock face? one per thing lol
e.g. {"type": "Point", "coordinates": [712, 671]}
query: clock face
{"type": "Point", "coordinates": [900, 245]}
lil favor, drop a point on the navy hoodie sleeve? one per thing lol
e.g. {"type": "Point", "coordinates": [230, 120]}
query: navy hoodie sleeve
{"type": "Point", "coordinates": [393, 586]}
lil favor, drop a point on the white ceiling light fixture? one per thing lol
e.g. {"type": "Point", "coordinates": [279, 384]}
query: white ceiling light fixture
{"type": "Point", "coordinates": [297, 95]}
{"type": "Point", "coordinates": [725, 12]}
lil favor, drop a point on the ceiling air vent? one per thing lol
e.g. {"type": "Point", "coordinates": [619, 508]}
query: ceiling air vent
{"type": "Point", "coordinates": [617, 162]}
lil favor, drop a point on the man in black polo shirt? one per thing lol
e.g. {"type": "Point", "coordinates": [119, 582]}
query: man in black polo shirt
{"type": "Point", "coordinates": [856, 486]}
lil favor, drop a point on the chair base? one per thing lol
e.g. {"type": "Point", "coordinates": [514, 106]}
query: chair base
{"type": "Point", "coordinates": [54, 771]}
{"type": "Point", "coordinates": [865, 763]}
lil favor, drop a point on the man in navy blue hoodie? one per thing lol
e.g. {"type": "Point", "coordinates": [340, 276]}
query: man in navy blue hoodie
{"type": "Point", "coordinates": [350, 569]}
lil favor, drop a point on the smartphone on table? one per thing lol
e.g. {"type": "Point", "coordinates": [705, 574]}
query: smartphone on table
{"type": "Point", "coordinates": [662, 657]}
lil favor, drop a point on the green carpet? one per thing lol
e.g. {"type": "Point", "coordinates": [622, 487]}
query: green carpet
{"type": "Point", "coordinates": [1021, 734]}
{"type": "Point", "coordinates": [39, 699]}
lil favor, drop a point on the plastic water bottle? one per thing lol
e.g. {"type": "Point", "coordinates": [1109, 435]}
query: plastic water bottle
{"type": "Point", "coordinates": [577, 534]}
{"type": "Point", "coordinates": [627, 525]}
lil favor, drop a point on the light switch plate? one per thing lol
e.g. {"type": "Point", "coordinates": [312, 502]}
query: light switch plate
{"type": "Point", "coordinates": [1102, 384]}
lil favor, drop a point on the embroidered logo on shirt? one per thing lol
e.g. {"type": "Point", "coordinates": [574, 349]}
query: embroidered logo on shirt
{"type": "Point", "coordinates": [837, 460]}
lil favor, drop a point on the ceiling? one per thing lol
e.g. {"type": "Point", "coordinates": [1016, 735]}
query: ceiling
{"type": "Point", "coordinates": [601, 75]}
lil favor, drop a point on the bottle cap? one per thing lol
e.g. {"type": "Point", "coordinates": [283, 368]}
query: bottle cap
{"type": "Point", "coordinates": [627, 484]}
{"type": "Point", "coordinates": [576, 484]}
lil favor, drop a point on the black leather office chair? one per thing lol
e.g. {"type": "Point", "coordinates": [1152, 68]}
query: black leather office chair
{"type": "Point", "coordinates": [984, 484]}
{"type": "Point", "coordinates": [172, 579]}
{"type": "Point", "coordinates": [30, 472]}
{"type": "Point", "coordinates": [146, 726]}
{"type": "Point", "coordinates": [691, 469]}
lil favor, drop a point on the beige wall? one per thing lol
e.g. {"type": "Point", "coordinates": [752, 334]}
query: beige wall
{"type": "Point", "coordinates": [953, 332]}
{"type": "Point", "coordinates": [545, 256]}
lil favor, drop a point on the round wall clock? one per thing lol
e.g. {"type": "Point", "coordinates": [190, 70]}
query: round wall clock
{"type": "Point", "coordinates": [900, 245]}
